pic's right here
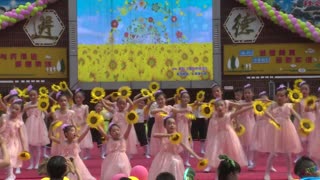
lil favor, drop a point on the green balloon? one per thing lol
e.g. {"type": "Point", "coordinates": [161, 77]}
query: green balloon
{"type": "Point", "coordinates": [18, 10]}
{"type": "Point", "coordinates": [308, 34]}
{"type": "Point", "coordinates": [28, 4]}
{"type": "Point", "coordinates": [255, 4]}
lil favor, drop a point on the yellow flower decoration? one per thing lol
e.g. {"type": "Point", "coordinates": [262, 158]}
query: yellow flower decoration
{"type": "Point", "coordinates": [43, 104]}
{"type": "Point", "coordinates": [306, 125]}
{"type": "Point", "coordinates": [94, 101]}
{"type": "Point", "coordinates": [43, 90]}
{"type": "Point", "coordinates": [43, 96]}
{"type": "Point", "coordinates": [202, 164]}
{"type": "Point", "coordinates": [211, 103]}
{"type": "Point", "coordinates": [115, 95]}
{"type": "Point", "coordinates": [311, 101]}
{"type": "Point", "coordinates": [206, 110]}
{"type": "Point", "coordinates": [296, 83]}
{"type": "Point", "coordinates": [163, 114]}
{"type": "Point", "coordinates": [94, 119]}
{"type": "Point", "coordinates": [200, 96]}
{"type": "Point", "coordinates": [190, 139]}
{"type": "Point", "coordinates": [55, 88]}
{"type": "Point", "coordinates": [154, 86]}
{"type": "Point", "coordinates": [190, 116]}
{"type": "Point", "coordinates": [98, 93]}
{"type": "Point", "coordinates": [133, 178]}
{"type": "Point", "coordinates": [63, 86]}
{"type": "Point", "coordinates": [259, 107]}
{"type": "Point", "coordinates": [22, 93]}
{"type": "Point", "coordinates": [0, 95]}
{"type": "Point", "coordinates": [275, 124]}
{"type": "Point", "coordinates": [175, 138]}
{"type": "Point", "coordinates": [145, 92]}
{"type": "Point", "coordinates": [125, 91]}
{"type": "Point", "coordinates": [24, 156]}
{"type": "Point", "coordinates": [55, 107]}
{"type": "Point", "coordinates": [179, 89]}
{"type": "Point", "coordinates": [56, 124]}
{"type": "Point", "coordinates": [240, 130]}
{"type": "Point", "coordinates": [132, 117]}
{"type": "Point", "coordinates": [295, 95]}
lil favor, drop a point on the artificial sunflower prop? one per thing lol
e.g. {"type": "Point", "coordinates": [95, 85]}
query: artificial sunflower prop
{"type": "Point", "coordinates": [240, 130]}
{"type": "Point", "coordinates": [63, 86]}
{"type": "Point", "coordinates": [94, 101]}
{"type": "Point", "coordinates": [145, 92]}
{"type": "Point", "coordinates": [163, 114]}
{"type": "Point", "coordinates": [190, 139]}
{"type": "Point", "coordinates": [125, 91]}
{"type": "Point", "coordinates": [296, 83]}
{"type": "Point", "coordinates": [190, 116]}
{"type": "Point", "coordinates": [43, 90]}
{"type": "Point", "coordinates": [202, 164]}
{"type": "Point", "coordinates": [0, 95]}
{"type": "Point", "coordinates": [132, 117]}
{"type": "Point", "coordinates": [206, 110]}
{"type": "Point", "coordinates": [23, 93]}
{"type": "Point", "coordinates": [175, 138]}
{"type": "Point", "coordinates": [43, 97]}
{"type": "Point", "coordinates": [306, 125]}
{"type": "Point", "coordinates": [179, 89]}
{"type": "Point", "coordinates": [54, 107]}
{"type": "Point", "coordinates": [275, 124]}
{"type": "Point", "coordinates": [311, 101]}
{"type": "Point", "coordinates": [154, 86]}
{"type": "Point", "coordinates": [200, 96]}
{"type": "Point", "coordinates": [43, 104]}
{"type": "Point", "coordinates": [56, 124]}
{"type": "Point", "coordinates": [211, 102]}
{"type": "Point", "coordinates": [259, 107]}
{"type": "Point", "coordinates": [24, 156]}
{"type": "Point", "coordinates": [295, 95]}
{"type": "Point", "coordinates": [55, 88]}
{"type": "Point", "coordinates": [115, 95]}
{"type": "Point", "coordinates": [94, 119]}
{"type": "Point", "coordinates": [98, 93]}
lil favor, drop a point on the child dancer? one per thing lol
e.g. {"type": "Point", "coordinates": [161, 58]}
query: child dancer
{"type": "Point", "coordinates": [223, 139]}
{"type": "Point", "coordinates": [199, 126]}
{"type": "Point", "coordinates": [81, 113]}
{"type": "Point", "coordinates": [117, 160]}
{"type": "Point", "coordinates": [66, 116]}
{"type": "Point", "coordinates": [13, 132]}
{"type": "Point", "coordinates": [286, 139]}
{"type": "Point", "coordinates": [36, 128]}
{"type": "Point", "coordinates": [71, 149]}
{"type": "Point", "coordinates": [168, 159]}
{"type": "Point", "coordinates": [5, 161]}
{"type": "Point", "coordinates": [247, 119]}
{"type": "Point", "coordinates": [238, 94]}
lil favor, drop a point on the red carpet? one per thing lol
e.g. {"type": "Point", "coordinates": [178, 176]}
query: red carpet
{"type": "Point", "coordinates": [94, 164]}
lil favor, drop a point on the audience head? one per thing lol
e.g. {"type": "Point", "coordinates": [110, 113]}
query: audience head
{"type": "Point", "coordinates": [165, 176]}
{"type": "Point", "coordinates": [306, 167]}
{"type": "Point", "coordinates": [228, 169]}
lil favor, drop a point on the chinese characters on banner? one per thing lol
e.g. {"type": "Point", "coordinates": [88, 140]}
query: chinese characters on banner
{"type": "Point", "coordinates": [33, 63]}
{"type": "Point", "coordinates": [271, 59]}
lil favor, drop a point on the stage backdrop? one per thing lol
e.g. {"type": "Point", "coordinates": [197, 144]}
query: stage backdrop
{"type": "Point", "coordinates": [144, 40]}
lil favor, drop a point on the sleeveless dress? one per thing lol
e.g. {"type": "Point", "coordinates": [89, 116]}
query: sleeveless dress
{"type": "Point", "coordinates": [223, 141]}
{"type": "Point", "coordinates": [167, 160]}
{"type": "Point", "coordinates": [304, 114]}
{"type": "Point", "coordinates": [183, 125]}
{"type": "Point", "coordinates": [81, 116]}
{"type": "Point", "coordinates": [116, 161]}
{"type": "Point", "coordinates": [72, 150]}
{"type": "Point", "coordinates": [36, 128]}
{"type": "Point", "coordinates": [247, 119]}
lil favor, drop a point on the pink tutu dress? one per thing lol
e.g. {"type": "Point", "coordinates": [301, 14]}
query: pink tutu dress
{"type": "Point", "coordinates": [183, 125]}
{"type": "Point", "coordinates": [72, 150]}
{"type": "Point", "coordinates": [116, 161]}
{"type": "Point", "coordinates": [167, 160]}
{"type": "Point", "coordinates": [247, 119]}
{"type": "Point", "coordinates": [81, 113]}
{"type": "Point", "coordinates": [132, 141]}
{"type": "Point", "coordinates": [286, 139]}
{"type": "Point", "coordinates": [66, 118]}
{"type": "Point", "coordinates": [223, 140]}
{"type": "Point", "coordinates": [304, 114]}
{"type": "Point", "coordinates": [36, 128]}
{"type": "Point", "coordinates": [158, 127]}
{"type": "Point", "coordinates": [314, 141]}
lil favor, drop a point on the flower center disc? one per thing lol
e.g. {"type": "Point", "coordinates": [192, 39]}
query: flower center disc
{"type": "Point", "coordinates": [131, 116]}
{"type": "Point", "coordinates": [93, 120]}
{"type": "Point", "coordinates": [306, 125]}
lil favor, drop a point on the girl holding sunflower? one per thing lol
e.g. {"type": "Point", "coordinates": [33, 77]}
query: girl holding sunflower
{"type": "Point", "coordinates": [81, 112]}
{"type": "Point", "coordinates": [168, 158]}
{"type": "Point", "coordinates": [285, 140]}
{"type": "Point", "coordinates": [224, 139]}
{"type": "Point", "coordinates": [36, 128]}
{"type": "Point", "coordinates": [12, 129]}
{"type": "Point", "coordinates": [63, 114]}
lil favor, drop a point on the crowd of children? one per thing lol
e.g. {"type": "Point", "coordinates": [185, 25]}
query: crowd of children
{"type": "Point", "coordinates": [237, 129]}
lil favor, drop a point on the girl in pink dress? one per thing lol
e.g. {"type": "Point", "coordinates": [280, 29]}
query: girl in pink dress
{"type": "Point", "coordinates": [247, 119]}
{"type": "Point", "coordinates": [66, 116]}
{"type": "Point", "coordinates": [81, 112]}
{"type": "Point", "coordinates": [71, 150]}
{"type": "Point", "coordinates": [223, 138]}
{"type": "Point", "coordinates": [36, 129]}
{"type": "Point", "coordinates": [12, 130]}
{"type": "Point", "coordinates": [183, 123]}
{"type": "Point", "coordinates": [116, 160]}
{"type": "Point", "coordinates": [119, 117]}
{"type": "Point", "coordinates": [286, 140]}
{"type": "Point", "coordinates": [168, 159]}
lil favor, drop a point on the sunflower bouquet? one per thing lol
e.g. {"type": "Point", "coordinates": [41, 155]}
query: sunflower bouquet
{"type": "Point", "coordinates": [43, 90]}
{"type": "Point", "coordinates": [175, 138]}
{"type": "Point", "coordinates": [296, 84]}
{"type": "Point", "coordinates": [115, 95]}
{"type": "Point", "coordinates": [145, 92]}
{"type": "Point", "coordinates": [206, 110]}
{"type": "Point", "coordinates": [200, 96]}
{"type": "Point", "coordinates": [54, 107]}
{"type": "Point", "coordinates": [98, 93]}
{"type": "Point", "coordinates": [306, 126]}
{"type": "Point", "coordinates": [94, 119]}
{"type": "Point", "coordinates": [55, 88]}
{"type": "Point", "coordinates": [190, 116]}
{"type": "Point", "coordinates": [43, 104]}
{"type": "Point", "coordinates": [202, 164]}
{"type": "Point", "coordinates": [125, 91]}
{"type": "Point", "coordinates": [154, 86]}
{"type": "Point", "coordinates": [311, 102]}
{"type": "Point", "coordinates": [132, 117]}
{"type": "Point", "coordinates": [63, 86]}
{"type": "Point", "coordinates": [295, 95]}
{"type": "Point", "coordinates": [240, 130]}
{"type": "Point", "coordinates": [275, 124]}
{"type": "Point", "coordinates": [259, 107]}
{"type": "Point", "coordinates": [24, 156]}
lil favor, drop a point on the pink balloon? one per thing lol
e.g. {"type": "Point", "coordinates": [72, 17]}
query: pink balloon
{"type": "Point", "coordinates": [20, 17]}
{"type": "Point", "coordinates": [118, 176]}
{"type": "Point", "coordinates": [4, 25]}
{"type": "Point", "coordinates": [140, 172]}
